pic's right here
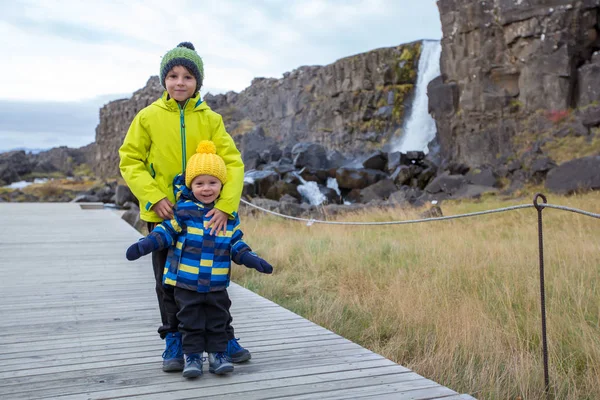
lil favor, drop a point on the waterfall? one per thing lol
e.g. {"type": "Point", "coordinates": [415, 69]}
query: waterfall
{"type": "Point", "coordinates": [310, 191]}
{"type": "Point", "coordinates": [419, 128]}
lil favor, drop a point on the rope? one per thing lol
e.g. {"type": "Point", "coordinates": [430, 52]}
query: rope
{"type": "Point", "coordinates": [575, 210]}
{"type": "Point", "coordinates": [317, 221]}
{"type": "Point", "coordinates": [310, 221]}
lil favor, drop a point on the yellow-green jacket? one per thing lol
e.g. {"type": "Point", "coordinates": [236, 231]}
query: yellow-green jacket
{"type": "Point", "coordinates": [158, 144]}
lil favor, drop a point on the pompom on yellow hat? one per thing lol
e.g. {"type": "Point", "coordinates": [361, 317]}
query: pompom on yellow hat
{"type": "Point", "coordinates": [205, 162]}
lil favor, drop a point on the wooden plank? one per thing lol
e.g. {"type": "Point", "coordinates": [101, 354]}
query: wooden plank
{"type": "Point", "coordinates": [86, 328]}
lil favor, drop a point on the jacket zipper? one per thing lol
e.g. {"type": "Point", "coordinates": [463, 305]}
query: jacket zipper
{"type": "Point", "coordinates": [182, 133]}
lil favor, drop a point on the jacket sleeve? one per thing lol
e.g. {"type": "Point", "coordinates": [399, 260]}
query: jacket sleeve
{"type": "Point", "coordinates": [238, 246]}
{"type": "Point", "coordinates": [133, 154]}
{"type": "Point", "coordinates": [231, 193]}
{"type": "Point", "coordinates": [165, 234]}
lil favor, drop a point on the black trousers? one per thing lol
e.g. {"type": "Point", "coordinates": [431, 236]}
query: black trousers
{"type": "Point", "coordinates": [159, 259]}
{"type": "Point", "coordinates": [202, 318]}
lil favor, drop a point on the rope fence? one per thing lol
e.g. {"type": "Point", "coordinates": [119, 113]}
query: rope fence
{"type": "Point", "coordinates": [311, 221]}
{"type": "Point", "coordinates": [536, 204]}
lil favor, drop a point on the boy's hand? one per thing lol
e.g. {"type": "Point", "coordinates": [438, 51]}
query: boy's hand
{"type": "Point", "coordinates": [141, 248]}
{"type": "Point", "coordinates": [218, 222]}
{"type": "Point", "coordinates": [251, 260]}
{"type": "Point", "coordinates": [164, 209]}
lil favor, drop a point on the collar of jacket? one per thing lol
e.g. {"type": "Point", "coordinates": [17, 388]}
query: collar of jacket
{"type": "Point", "coordinates": [194, 103]}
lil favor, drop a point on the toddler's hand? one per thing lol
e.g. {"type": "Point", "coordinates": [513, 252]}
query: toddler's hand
{"type": "Point", "coordinates": [141, 248]}
{"type": "Point", "coordinates": [251, 260]}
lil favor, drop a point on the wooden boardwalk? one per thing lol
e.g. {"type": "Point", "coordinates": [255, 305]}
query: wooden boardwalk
{"type": "Point", "coordinates": [78, 321]}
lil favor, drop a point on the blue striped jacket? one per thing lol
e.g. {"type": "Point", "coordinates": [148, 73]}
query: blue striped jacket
{"type": "Point", "coordinates": [197, 260]}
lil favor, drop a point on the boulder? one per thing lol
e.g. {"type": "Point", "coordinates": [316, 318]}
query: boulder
{"type": "Point", "coordinates": [577, 175]}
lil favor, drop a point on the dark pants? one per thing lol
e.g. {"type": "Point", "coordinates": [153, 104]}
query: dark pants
{"type": "Point", "coordinates": [159, 259]}
{"type": "Point", "coordinates": [202, 318]}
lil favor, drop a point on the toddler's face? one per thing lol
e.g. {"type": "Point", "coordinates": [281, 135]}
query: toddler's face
{"type": "Point", "coordinates": [206, 188]}
{"type": "Point", "coordinates": [180, 83]}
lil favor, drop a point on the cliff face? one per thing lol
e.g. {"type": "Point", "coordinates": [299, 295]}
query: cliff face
{"type": "Point", "coordinates": [353, 105]}
{"type": "Point", "coordinates": [513, 70]}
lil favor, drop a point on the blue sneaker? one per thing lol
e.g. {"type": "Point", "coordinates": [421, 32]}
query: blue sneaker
{"type": "Point", "coordinates": [173, 355]}
{"type": "Point", "coordinates": [219, 364]}
{"type": "Point", "coordinates": [193, 366]}
{"type": "Point", "coordinates": [236, 353]}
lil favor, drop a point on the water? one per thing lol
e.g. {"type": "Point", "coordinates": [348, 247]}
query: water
{"type": "Point", "coordinates": [419, 128]}
{"type": "Point", "coordinates": [22, 184]}
{"type": "Point", "coordinates": [310, 191]}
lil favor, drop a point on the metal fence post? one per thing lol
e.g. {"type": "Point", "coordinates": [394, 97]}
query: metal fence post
{"type": "Point", "coordinates": [539, 208]}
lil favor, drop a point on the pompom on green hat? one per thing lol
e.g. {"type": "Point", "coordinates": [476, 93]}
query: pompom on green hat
{"type": "Point", "coordinates": [185, 55]}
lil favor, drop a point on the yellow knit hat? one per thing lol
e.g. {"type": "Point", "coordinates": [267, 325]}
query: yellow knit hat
{"type": "Point", "coordinates": [205, 162]}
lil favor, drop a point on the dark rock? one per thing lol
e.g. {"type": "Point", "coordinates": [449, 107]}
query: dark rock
{"type": "Point", "coordinates": [286, 198]}
{"type": "Point", "coordinates": [591, 116]}
{"type": "Point", "coordinates": [354, 178]}
{"type": "Point", "coordinates": [399, 197]}
{"type": "Point", "coordinates": [402, 175]}
{"type": "Point", "coordinates": [123, 195]}
{"type": "Point", "coordinates": [310, 155]}
{"type": "Point", "coordinates": [425, 176]}
{"type": "Point", "coordinates": [449, 184]}
{"type": "Point", "coordinates": [132, 217]}
{"type": "Point", "coordinates": [336, 159]}
{"type": "Point", "coordinates": [261, 181]}
{"type": "Point", "coordinates": [281, 188]}
{"type": "Point", "coordinates": [331, 196]}
{"type": "Point", "coordinates": [86, 198]}
{"type": "Point", "coordinates": [433, 212]}
{"type": "Point", "coordinates": [581, 174]}
{"type": "Point", "coordinates": [14, 165]}
{"type": "Point", "coordinates": [458, 168]}
{"type": "Point", "coordinates": [482, 177]}
{"type": "Point", "coordinates": [539, 168]}
{"type": "Point", "coordinates": [414, 157]}
{"type": "Point", "coordinates": [589, 81]}
{"type": "Point", "coordinates": [443, 98]}
{"type": "Point", "coordinates": [473, 191]}
{"type": "Point", "coordinates": [376, 160]}
{"type": "Point", "coordinates": [378, 191]}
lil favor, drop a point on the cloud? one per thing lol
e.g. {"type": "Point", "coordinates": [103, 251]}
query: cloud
{"type": "Point", "coordinates": [41, 125]}
{"type": "Point", "coordinates": [70, 51]}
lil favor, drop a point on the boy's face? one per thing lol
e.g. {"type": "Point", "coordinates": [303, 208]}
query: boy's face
{"type": "Point", "coordinates": [180, 84]}
{"type": "Point", "coordinates": [206, 188]}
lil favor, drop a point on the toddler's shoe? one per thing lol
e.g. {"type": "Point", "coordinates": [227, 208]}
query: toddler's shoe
{"type": "Point", "coordinates": [193, 366]}
{"type": "Point", "coordinates": [173, 355]}
{"type": "Point", "coordinates": [236, 353]}
{"type": "Point", "coordinates": [219, 364]}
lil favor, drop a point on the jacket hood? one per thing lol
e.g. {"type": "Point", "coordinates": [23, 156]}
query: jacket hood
{"type": "Point", "coordinates": [193, 103]}
{"type": "Point", "coordinates": [181, 191]}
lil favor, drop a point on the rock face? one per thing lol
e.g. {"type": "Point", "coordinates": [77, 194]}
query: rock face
{"type": "Point", "coordinates": [516, 75]}
{"type": "Point", "coordinates": [19, 165]}
{"type": "Point", "coordinates": [353, 105]}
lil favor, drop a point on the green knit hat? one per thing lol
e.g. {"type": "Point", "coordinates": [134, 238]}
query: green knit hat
{"type": "Point", "coordinates": [185, 55]}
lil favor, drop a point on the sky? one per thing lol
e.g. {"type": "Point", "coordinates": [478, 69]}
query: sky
{"type": "Point", "coordinates": [62, 60]}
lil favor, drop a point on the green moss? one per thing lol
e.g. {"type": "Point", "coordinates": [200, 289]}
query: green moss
{"type": "Point", "coordinates": [405, 68]}
{"type": "Point", "coordinates": [82, 170]}
{"type": "Point", "coordinates": [42, 175]}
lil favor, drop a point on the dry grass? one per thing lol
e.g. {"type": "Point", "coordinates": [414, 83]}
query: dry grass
{"type": "Point", "coordinates": [456, 301]}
